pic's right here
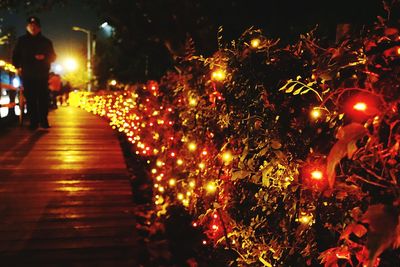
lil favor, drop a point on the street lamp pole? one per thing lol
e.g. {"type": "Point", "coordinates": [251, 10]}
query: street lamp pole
{"type": "Point", "coordinates": [89, 55]}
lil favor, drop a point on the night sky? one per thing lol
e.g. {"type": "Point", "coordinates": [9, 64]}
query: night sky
{"type": "Point", "coordinates": [57, 25]}
{"type": "Point", "coordinates": [284, 19]}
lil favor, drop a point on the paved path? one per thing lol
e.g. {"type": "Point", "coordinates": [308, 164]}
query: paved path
{"type": "Point", "coordinates": [65, 196]}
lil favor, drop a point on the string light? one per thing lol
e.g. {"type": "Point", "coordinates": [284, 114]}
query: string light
{"type": "Point", "coordinates": [255, 43]}
{"type": "Point", "coordinates": [192, 102]}
{"type": "Point", "coordinates": [316, 113]}
{"type": "Point", "coordinates": [218, 75]}
{"type": "Point", "coordinates": [305, 218]}
{"type": "Point", "coordinates": [172, 182]}
{"type": "Point", "coordinates": [227, 157]}
{"type": "Point", "coordinates": [159, 163]}
{"type": "Point", "coordinates": [211, 187]}
{"type": "Point", "coordinates": [192, 146]}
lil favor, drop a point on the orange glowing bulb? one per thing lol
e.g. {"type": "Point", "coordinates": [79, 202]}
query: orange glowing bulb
{"type": "Point", "coordinates": [316, 113]}
{"type": "Point", "coordinates": [211, 187]}
{"type": "Point", "coordinates": [227, 157]}
{"type": "Point", "coordinates": [255, 43]}
{"type": "Point", "coordinates": [192, 146]}
{"type": "Point", "coordinates": [218, 75]}
{"type": "Point", "coordinates": [306, 219]}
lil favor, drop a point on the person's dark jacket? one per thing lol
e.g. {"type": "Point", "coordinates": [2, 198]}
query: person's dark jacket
{"type": "Point", "coordinates": [24, 56]}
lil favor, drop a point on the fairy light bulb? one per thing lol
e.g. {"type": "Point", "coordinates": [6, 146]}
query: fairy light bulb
{"type": "Point", "coordinates": [192, 146]}
{"type": "Point", "coordinates": [218, 75]}
{"type": "Point", "coordinates": [192, 102]}
{"type": "Point", "coordinates": [255, 43]}
{"type": "Point", "coordinates": [192, 184]}
{"type": "Point", "coordinates": [202, 166]}
{"type": "Point", "coordinates": [179, 162]}
{"type": "Point", "coordinates": [316, 113]}
{"type": "Point", "coordinates": [227, 157]}
{"type": "Point", "coordinates": [180, 196]}
{"type": "Point", "coordinates": [172, 182]}
{"type": "Point", "coordinates": [305, 218]}
{"type": "Point", "coordinates": [211, 187]}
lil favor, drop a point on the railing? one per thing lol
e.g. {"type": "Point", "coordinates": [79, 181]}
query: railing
{"type": "Point", "coordinates": [12, 104]}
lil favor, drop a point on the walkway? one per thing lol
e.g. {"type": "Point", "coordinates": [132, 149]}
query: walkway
{"type": "Point", "coordinates": [65, 196]}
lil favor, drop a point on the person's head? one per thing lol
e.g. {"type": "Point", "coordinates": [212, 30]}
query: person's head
{"type": "Point", "coordinates": [33, 25]}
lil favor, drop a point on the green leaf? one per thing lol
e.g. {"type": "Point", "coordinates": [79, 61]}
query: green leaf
{"type": "Point", "coordinates": [383, 222]}
{"type": "Point", "coordinates": [298, 91]}
{"type": "Point", "coordinates": [240, 175]}
{"type": "Point", "coordinates": [346, 145]}
{"type": "Point", "coordinates": [305, 91]}
{"type": "Point", "coordinates": [291, 88]}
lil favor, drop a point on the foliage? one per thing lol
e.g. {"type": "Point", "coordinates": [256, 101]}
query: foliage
{"type": "Point", "coordinates": [230, 138]}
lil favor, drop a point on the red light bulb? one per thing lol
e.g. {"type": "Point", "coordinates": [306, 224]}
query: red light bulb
{"type": "Point", "coordinates": [317, 175]}
{"type": "Point", "coordinates": [360, 106]}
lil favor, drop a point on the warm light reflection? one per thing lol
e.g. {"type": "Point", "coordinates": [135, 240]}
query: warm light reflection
{"type": "Point", "coordinates": [73, 189]}
{"type": "Point", "coordinates": [68, 182]}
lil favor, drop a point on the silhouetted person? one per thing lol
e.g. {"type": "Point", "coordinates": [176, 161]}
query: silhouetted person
{"type": "Point", "coordinates": [55, 88]}
{"type": "Point", "coordinates": [32, 56]}
{"type": "Point", "coordinates": [65, 90]}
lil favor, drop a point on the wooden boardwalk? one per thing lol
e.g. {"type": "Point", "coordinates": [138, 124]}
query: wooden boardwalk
{"type": "Point", "coordinates": [65, 195]}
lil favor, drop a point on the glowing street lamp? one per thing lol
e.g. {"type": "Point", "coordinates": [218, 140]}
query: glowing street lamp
{"type": "Point", "coordinates": [70, 64]}
{"type": "Point", "coordinates": [89, 54]}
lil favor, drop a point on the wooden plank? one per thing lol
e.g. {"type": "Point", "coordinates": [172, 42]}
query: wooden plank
{"type": "Point", "coordinates": [65, 195]}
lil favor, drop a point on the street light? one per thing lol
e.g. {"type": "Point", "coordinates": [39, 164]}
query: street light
{"type": "Point", "coordinates": [89, 54]}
